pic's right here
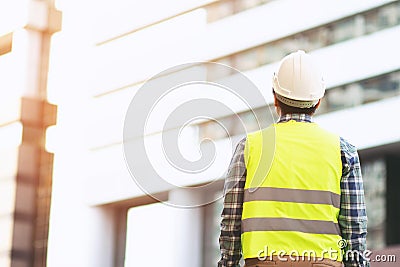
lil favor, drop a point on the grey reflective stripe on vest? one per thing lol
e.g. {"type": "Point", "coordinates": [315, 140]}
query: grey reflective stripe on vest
{"type": "Point", "coordinates": [292, 195]}
{"type": "Point", "coordinates": [286, 224]}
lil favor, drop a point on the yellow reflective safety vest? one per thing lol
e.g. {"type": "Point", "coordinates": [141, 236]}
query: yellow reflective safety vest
{"type": "Point", "coordinates": [292, 192]}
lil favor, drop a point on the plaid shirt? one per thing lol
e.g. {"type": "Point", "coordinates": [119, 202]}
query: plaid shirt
{"type": "Point", "coordinates": [352, 216]}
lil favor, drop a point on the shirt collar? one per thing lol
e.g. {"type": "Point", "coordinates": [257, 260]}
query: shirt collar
{"type": "Point", "coordinates": [294, 116]}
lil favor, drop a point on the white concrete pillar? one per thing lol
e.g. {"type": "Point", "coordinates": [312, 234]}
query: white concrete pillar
{"type": "Point", "coordinates": [188, 229]}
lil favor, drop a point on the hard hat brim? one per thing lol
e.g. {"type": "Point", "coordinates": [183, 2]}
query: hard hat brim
{"type": "Point", "coordinates": [296, 103]}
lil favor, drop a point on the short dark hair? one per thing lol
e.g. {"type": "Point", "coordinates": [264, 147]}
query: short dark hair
{"type": "Point", "coordinates": [286, 109]}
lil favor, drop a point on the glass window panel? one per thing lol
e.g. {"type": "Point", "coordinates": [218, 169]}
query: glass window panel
{"type": "Point", "coordinates": [344, 30]}
{"type": "Point", "coordinates": [215, 72]}
{"type": "Point", "coordinates": [326, 36]}
{"type": "Point", "coordinates": [246, 4]}
{"type": "Point", "coordinates": [388, 16]}
{"type": "Point", "coordinates": [374, 176]}
{"type": "Point", "coordinates": [212, 130]}
{"type": "Point", "coordinates": [361, 24]}
{"type": "Point", "coordinates": [301, 40]}
{"type": "Point", "coordinates": [381, 87]}
{"type": "Point", "coordinates": [266, 115]}
{"type": "Point", "coordinates": [246, 60]}
{"type": "Point", "coordinates": [262, 55]}
{"type": "Point", "coordinates": [219, 10]}
{"type": "Point", "coordinates": [335, 98]}
{"type": "Point", "coordinates": [371, 22]}
{"type": "Point", "coordinates": [274, 51]}
{"type": "Point", "coordinates": [225, 8]}
{"type": "Point", "coordinates": [249, 120]}
{"type": "Point", "coordinates": [342, 97]}
{"type": "Point", "coordinates": [362, 92]}
{"type": "Point", "coordinates": [271, 52]}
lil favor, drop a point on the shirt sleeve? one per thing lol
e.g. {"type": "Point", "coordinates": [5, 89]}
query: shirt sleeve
{"type": "Point", "coordinates": [230, 236]}
{"type": "Point", "coordinates": [352, 215]}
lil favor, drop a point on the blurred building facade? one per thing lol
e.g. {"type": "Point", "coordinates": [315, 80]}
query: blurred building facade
{"type": "Point", "coordinates": [26, 165]}
{"type": "Point", "coordinates": [99, 217]}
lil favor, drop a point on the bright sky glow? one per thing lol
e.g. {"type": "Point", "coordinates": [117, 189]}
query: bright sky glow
{"type": "Point", "coordinates": [13, 14]}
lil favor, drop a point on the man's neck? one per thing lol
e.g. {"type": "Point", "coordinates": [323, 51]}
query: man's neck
{"type": "Point", "coordinates": [300, 117]}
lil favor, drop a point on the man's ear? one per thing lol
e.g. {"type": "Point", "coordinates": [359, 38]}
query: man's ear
{"type": "Point", "coordinates": [275, 101]}
{"type": "Point", "coordinates": [277, 107]}
{"type": "Point", "coordinates": [317, 105]}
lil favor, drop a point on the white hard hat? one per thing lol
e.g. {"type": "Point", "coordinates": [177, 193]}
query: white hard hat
{"type": "Point", "coordinates": [298, 81]}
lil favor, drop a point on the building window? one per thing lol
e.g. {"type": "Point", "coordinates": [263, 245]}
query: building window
{"type": "Point", "coordinates": [345, 29]}
{"type": "Point", "coordinates": [225, 8]}
{"type": "Point", "coordinates": [374, 176]}
{"type": "Point", "coordinates": [237, 124]}
{"type": "Point", "coordinates": [342, 97]}
{"type": "Point", "coordinates": [370, 90]}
